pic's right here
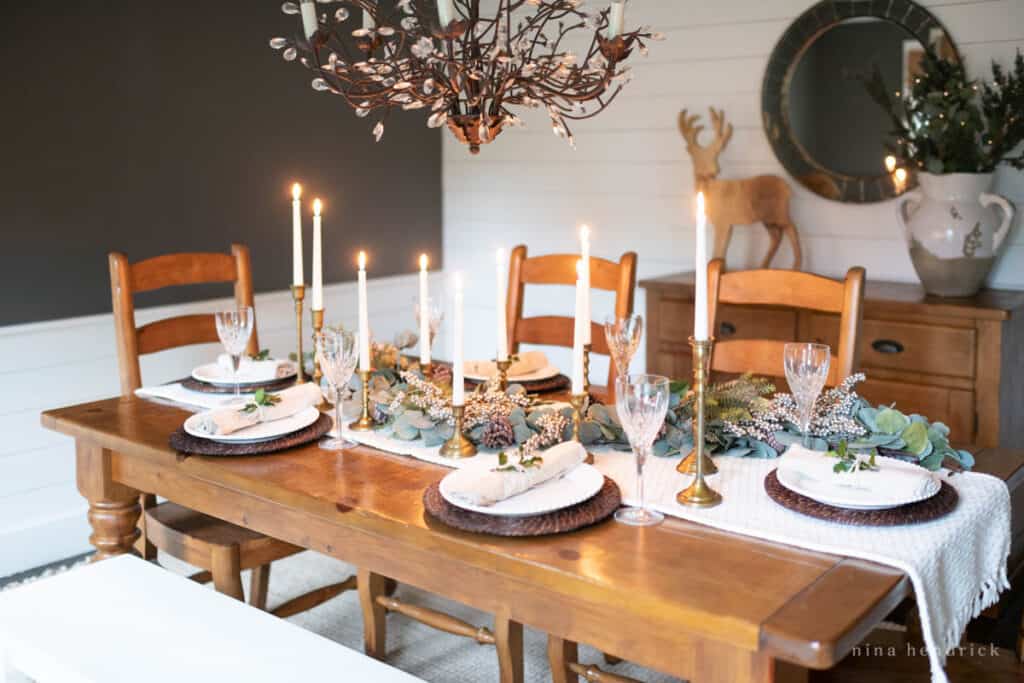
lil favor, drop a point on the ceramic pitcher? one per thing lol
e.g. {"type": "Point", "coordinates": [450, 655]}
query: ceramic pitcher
{"type": "Point", "coordinates": [955, 228]}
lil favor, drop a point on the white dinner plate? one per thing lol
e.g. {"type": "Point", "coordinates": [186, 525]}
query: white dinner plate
{"type": "Point", "coordinates": [264, 431]}
{"type": "Point", "coordinates": [851, 497]}
{"type": "Point", "coordinates": [535, 376]}
{"type": "Point", "coordinates": [575, 486]}
{"type": "Point", "coordinates": [214, 373]}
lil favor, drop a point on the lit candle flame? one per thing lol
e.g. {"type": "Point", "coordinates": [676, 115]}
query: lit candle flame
{"type": "Point", "coordinates": [362, 260]}
{"type": "Point", "coordinates": [584, 233]}
{"type": "Point", "coordinates": [296, 191]}
{"type": "Point", "coordinates": [901, 175]}
{"type": "Point", "coordinates": [317, 206]}
{"type": "Point", "coordinates": [890, 163]}
{"type": "Point", "coordinates": [423, 261]}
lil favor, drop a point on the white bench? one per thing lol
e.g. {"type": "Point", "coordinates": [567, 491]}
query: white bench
{"type": "Point", "coordinates": [124, 619]}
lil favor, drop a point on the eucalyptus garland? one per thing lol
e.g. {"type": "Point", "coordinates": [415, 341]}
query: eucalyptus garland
{"type": "Point", "coordinates": [744, 418]}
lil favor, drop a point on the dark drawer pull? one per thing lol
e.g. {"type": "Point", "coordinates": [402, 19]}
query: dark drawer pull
{"type": "Point", "coordinates": [887, 346]}
{"type": "Point", "coordinates": [726, 330]}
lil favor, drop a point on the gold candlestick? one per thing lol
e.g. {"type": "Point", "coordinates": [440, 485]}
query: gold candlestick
{"type": "Point", "coordinates": [427, 370]}
{"type": "Point", "coordinates": [298, 294]}
{"type": "Point", "coordinates": [579, 404]}
{"type": "Point", "coordinates": [503, 366]}
{"type": "Point", "coordinates": [458, 446]}
{"type": "Point", "coordinates": [364, 423]}
{"type": "Point", "coordinates": [586, 368]}
{"type": "Point", "coordinates": [698, 493]}
{"type": "Point", "coordinates": [318, 326]}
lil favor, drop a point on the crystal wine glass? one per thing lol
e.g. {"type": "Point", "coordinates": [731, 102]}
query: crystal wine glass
{"type": "Point", "coordinates": [623, 336]}
{"type": "Point", "coordinates": [806, 372]}
{"type": "Point", "coordinates": [434, 319]}
{"type": "Point", "coordinates": [234, 328]}
{"type": "Point", "coordinates": [338, 352]}
{"type": "Point", "coordinates": [641, 402]}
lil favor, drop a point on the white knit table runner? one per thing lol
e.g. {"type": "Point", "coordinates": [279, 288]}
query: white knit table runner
{"type": "Point", "coordinates": [956, 564]}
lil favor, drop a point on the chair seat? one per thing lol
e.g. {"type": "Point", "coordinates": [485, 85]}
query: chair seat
{"type": "Point", "coordinates": [192, 537]}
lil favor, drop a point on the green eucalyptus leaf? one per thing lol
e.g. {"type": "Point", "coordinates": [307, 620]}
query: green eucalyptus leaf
{"type": "Point", "coordinates": [433, 437]}
{"type": "Point", "coordinates": [891, 421]}
{"type": "Point", "coordinates": [933, 462]}
{"type": "Point", "coordinates": [522, 433]}
{"type": "Point", "coordinates": [916, 438]}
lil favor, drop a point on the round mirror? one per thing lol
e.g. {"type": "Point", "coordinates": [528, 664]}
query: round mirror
{"type": "Point", "coordinates": [821, 121]}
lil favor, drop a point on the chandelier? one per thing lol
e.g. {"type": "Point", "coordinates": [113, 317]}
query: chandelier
{"type": "Point", "coordinates": [467, 68]}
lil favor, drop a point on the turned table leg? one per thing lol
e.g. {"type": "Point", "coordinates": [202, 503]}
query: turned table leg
{"type": "Point", "coordinates": [508, 638]}
{"type": "Point", "coordinates": [113, 507]}
{"type": "Point", "coordinates": [371, 586]}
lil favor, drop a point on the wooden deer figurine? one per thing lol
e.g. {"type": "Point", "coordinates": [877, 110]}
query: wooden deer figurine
{"type": "Point", "coordinates": [761, 199]}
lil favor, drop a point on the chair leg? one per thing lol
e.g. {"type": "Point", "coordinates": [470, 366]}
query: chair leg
{"type": "Point", "coordinates": [508, 638]}
{"type": "Point", "coordinates": [145, 549]}
{"type": "Point", "coordinates": [371, 586]}
{"type": "Point", "coordinates": [258, 584]}
{"type": "Point", "coordinates": [562, 653]}
{"type": "Point", "coordinates": [227, 572]}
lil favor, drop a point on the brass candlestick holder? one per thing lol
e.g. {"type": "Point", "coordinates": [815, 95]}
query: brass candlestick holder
{"type": "Point", "coordinates": [586, 368]}
{"type": "Point", "coordinates": [698, 493]}
{"type": "Point", "coordinates": [318, 326]}
{"type": "Point", "coordinates": [579, 404]}
{"type": "Point", "coordinates": [458, 446]}
{"type": "Point", "coordinates": [365, 422]}
{"type": "Point", "coordinates": [298, 294]}
{"type": "Point", "coordinates": [427, 370]}
{"type": "Point", "coordinates": [503, 366]}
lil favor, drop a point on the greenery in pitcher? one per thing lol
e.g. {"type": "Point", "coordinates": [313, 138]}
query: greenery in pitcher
{"type": "Point", "coordinates": [950, 124]}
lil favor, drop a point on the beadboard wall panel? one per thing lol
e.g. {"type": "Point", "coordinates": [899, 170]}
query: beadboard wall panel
{"type": "Point", "coordinates": [42, 515]}
{"type": "Point", "coordinates": [631, 179]}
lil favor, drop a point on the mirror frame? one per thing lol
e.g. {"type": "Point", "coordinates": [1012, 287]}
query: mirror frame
{"type": "Point", "coordinates": [916, 20]}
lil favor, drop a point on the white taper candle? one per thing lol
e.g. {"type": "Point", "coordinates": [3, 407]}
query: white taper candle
{"type": "Point", "coordinates": [458, 362]}
{"type": "Point", "coordinates": [297, 274]}
{"type": "Point", "coordinates": [700, 309]}
{"type": "Point", "coordinates": [445, 12]}
{"type": "Point", "coordinates": [500, 285]}
{"type": "Point", "coordinates": [364, 317]}
{"type": "Point", "coordinates": [577, 337]}
{"type": "Point", "coordinates": [585, 277]}
{"type": "Point", "coordinates": [424, 312]}
{"type": "Point", "coordinates": [616, 19]}
{"type": "Point", "coordinates": [318, 258]}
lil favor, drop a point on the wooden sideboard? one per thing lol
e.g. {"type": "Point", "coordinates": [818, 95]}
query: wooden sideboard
{"type": "Point", "coordinates": [959, 361]}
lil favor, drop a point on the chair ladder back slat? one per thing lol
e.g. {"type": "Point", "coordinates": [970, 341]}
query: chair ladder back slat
{"type": "Point", "coordinates": [127, 279]}
{"type": "Point", "coordinates": [560, 269]}
{"type": "Point", "coordinates": [792, 290]}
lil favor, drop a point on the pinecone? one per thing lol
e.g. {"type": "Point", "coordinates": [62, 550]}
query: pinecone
{"type": "Point", "coordinates": [498, 433]}
{"type": "Point", "coordinates": [442, 374]}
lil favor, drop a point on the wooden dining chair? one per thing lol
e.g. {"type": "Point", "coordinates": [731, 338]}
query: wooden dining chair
{"type": "Point", "coordinates": [791, 289]}
{"type": "Point", "coordinates": [220, 549]}
{"type": "Point", "coordinates": [560, 269]}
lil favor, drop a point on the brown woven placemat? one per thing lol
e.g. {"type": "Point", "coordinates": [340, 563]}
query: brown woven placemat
{"type": "Point", "coordinates": [183, 442]}
{"type": "Point", "coordinates": [208, 388]}
{"type": "Point", "coordinates": [538, 386]}
{"type": "Point", "coordinates": [591, 511]}
{"type": "Point", "coordinates": [939, 505]}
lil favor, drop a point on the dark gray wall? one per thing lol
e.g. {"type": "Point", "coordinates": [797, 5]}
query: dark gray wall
{"type": "Point", "coordinates": [152, 127]}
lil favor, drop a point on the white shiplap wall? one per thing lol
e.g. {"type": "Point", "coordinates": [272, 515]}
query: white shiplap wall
{"type": "Point", "coordinates": [631, 178]}
{"type": "Point", "coordinates": [51, 364]}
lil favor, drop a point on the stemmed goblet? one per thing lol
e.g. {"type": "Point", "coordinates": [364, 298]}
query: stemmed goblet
{"type": "Point", "coordinates": [641, 402]}
{"type": "Point", "coordinates": [623, 336]}
{"type": "Point", "coordinates": [806, 371]}
{"type": "Point", "coordinates": [338, 352]}
{"type": "Point", "coordinates": [234, 328]}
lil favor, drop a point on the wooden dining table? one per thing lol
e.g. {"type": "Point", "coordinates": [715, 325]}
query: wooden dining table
{"type": "Point", "coordinates": [705, 605]}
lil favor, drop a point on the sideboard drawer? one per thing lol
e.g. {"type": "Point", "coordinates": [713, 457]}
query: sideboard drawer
{"type": "Point", "coordinates": [755, 322]}
{"type": "Point", "coordinates": [954, 407]}
{"type": "Point", "coordinates": [928, 349]}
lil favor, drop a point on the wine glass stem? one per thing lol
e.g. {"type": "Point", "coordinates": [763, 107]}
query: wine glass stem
{"type": "Point", "coordinates": [337, 411]}
{"type": "Point", "coordinates": [640, 458]}
{"type": "Point", "coordinates": [236, 359]}
{"type": "Point", "coordinates": [805, 424]}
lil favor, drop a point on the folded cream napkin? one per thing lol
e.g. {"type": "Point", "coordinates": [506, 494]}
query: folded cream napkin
{"type": "Point", "coordinates": [894, 479]}
{"type": "Point", "coordinates": [223, 421]}
{"type": "Point", "coordinates": [489, 485]}
{"type": "Point", "coordinates": [528, 361]}
{"type": "Point", "coordinates": [250, 370]}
